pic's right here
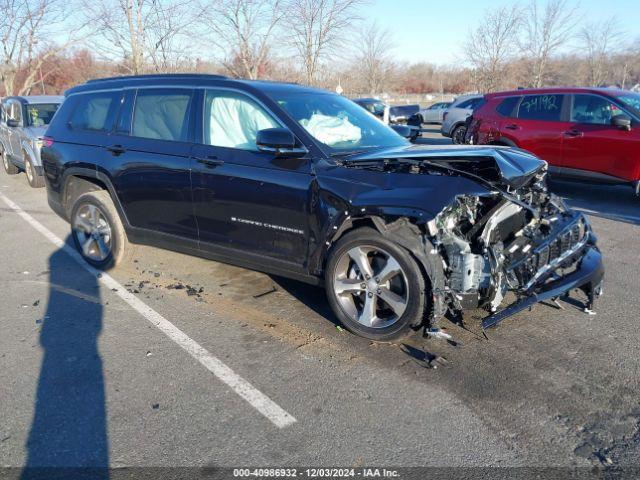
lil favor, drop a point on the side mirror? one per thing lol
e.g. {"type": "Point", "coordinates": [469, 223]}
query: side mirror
{"type": "Point", "coordinates": [623, 122]}
{"type": "Point", "coordinates": [13, 123]}
{"type": "Point", "coordinates": [279, 141]}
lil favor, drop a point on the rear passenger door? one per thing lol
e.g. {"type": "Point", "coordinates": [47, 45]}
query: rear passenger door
{"type": "Point", "coordinates": [150, 160]}
{"type": "Point", "coordinates": [538, 126]}
{"type": "Point", "coordinates": [246, 199]}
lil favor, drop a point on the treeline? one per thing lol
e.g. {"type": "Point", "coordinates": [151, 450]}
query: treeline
{"type": "Point", "coordinates": [50, 45]}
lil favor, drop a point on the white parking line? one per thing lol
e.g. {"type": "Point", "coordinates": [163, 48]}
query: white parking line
{"type": "Point", "coordinates": [258, 400]}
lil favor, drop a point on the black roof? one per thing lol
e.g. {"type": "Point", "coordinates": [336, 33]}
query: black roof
{"type": "Point", "coordinates": [192, 79]}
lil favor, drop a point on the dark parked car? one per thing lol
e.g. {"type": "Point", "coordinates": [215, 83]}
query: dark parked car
{"type": "Point", "coordinates": [590, 134]}
{"type": "Point", "coordinates": [305, 184]}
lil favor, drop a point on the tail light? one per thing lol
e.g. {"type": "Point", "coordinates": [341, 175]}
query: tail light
{"type": "Point", "coordinates": [47, 141]}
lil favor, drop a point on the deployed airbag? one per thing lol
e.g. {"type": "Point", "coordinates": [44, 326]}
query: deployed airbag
{"type": "Point", "coordinates": [332, 130]}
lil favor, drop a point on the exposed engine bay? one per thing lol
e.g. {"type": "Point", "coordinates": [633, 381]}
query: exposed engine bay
{"type": "Point", "coordinates": [517, 237]}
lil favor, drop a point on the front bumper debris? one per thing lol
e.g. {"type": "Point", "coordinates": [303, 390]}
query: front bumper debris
{"type": "Point", "coordinates": [588, 276]}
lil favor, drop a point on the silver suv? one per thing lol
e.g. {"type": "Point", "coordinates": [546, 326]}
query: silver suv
{"type": "Point", "coordinates": [23, 121]}
{"type": "Point", "coordinates": [455, 117]}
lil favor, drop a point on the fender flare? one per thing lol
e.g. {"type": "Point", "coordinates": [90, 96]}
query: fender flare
{"type": "Point", "coordinates": [26, 147]}
{"type": "Point", "coordinates": [101, 177]}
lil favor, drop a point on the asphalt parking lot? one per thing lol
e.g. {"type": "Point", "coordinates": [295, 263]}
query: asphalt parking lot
{"type": "Point", "coordinates": [178, 361]}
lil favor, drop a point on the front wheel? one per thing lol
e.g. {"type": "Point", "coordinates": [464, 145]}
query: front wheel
{"type": "Point", "coordinates": [9, 167]}
{"type": "Point", "coordinates": [459, 134]}
{"type": "Point", "coordinates": [35, 180]}
{"type": "Point", "coordinates": [97, 231]}
{"type": "Point", "coordinates": [374, 286]}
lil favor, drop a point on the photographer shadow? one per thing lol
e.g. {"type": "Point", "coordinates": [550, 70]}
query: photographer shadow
{"type": "Point", "coordinates": [68, 436]}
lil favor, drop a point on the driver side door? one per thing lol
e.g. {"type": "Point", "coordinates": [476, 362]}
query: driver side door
{"type": "Point", "coordinates": [246, 200]}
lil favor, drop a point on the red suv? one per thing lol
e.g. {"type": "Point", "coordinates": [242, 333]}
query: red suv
{"type": "Point", "coordinates": [583, 133]}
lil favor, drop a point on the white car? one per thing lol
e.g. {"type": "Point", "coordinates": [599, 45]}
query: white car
{"type": "Point", "coordinates": [433, 113]}
{"type": "Point", "coordinates": [454, 120]}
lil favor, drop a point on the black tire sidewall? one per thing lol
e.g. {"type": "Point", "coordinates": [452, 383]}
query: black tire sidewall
{"type": "Point", "coordinates": [35, 181]}
{"type": "Point", "coordinates": [117, 231]}
{"type": "Point", "coordinates": [413, 315]}
{"type": "Point", "coordinates": [454, 135]}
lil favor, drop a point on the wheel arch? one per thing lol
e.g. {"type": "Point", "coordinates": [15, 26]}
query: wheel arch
{"type": "Point", "coordinates": [77, 181]}
{"type": "Point", "coordinates": [28, 149]}
{"type": "Point", "coordinates": [404, 231]}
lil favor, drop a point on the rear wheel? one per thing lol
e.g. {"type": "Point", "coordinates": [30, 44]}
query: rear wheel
{"type": "Point", "coordinates": [374, 286]}
{"type": "Point", "coordinates": [97, 231]}
{"type": "Point", "coordinates": [35, 180]}
{"type": "Point", "coordinates": [459, 134]}
{"type": "Point", "coordinates": [9, 167]}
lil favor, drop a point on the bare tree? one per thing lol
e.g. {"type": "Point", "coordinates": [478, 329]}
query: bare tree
{"type": "Point", "coordinates": [243, 30]}
{"type": "Point", "coordinates": [599, 42]}
{"type": "Point", "coordinates": [317, 27]}
{"type": "Point", "coordinates": [489, 48]}
{"type": "Point", "coordinates": [147, 34]}
{"type": "Point", "coordinates": [26, 27]}
{"type": "Point", "coordinates": [545, 30]}
{"type": "Point", "coordinates": [373, 57]}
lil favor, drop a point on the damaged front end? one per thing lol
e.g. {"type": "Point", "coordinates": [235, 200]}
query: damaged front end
{"type": "Point", "coordinates": [524, 241]}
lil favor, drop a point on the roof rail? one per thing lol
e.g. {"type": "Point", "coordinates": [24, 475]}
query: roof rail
{"type": "Point", "coordinates": [159, 76]}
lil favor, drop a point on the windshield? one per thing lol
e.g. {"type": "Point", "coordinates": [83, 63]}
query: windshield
{"type": "Point", "coordinates": [337, 122]}
{"type": "Point", "coordinates": [40, 114]}
{"type": "Point", "coordinates": [631, 100]}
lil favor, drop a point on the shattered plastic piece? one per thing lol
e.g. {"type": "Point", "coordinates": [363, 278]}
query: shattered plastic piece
{"type": "Point", "coordinates": [438, 333]}
{"type": "Point", "coordinates": [339, 328]}
{"type": "Point", "coordinates": [155, 406]}
{"type": "Point", "coordinates": [36, 303]}
{"type": "Point", "coordinates": [149, 353]}
{"type": "Point", "coordinates": [588, 311]}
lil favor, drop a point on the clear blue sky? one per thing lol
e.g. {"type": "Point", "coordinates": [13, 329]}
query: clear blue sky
{"type": "Point", "coordinates": [432, 31]}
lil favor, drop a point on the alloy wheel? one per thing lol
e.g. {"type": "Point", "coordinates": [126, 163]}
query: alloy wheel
{"type": "Point", "coordinates": [93, 232]}
{"type": "Point", "coordinates": [459, 135]}
{"type": "Point", "coordinates": [29, 170]}
{"type": "Point", "coordinates": [371, 286]}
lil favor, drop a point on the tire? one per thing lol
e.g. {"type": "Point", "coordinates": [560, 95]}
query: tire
{"type": "Point", "coordinates": [95, 224]}
{"type": "Point", "coordinates": [348, 288]}
{"type": "Point", "coordinates": [9, 167]}
{"type": "Point", "coordinates": [458, 134]}
{"type": "Point", "coordinates": [35, 180]}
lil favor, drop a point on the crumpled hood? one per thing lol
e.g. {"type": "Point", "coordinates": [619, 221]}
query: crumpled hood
{"type": "Point", "coordinates": [503, 166]}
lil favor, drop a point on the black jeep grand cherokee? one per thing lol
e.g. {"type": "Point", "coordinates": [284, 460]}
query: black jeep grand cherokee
{"type": "Point", "coordinates": [305, 184]}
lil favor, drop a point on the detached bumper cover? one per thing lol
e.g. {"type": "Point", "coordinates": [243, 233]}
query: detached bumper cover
{"type": "Point", "coordinates": [587, 276]}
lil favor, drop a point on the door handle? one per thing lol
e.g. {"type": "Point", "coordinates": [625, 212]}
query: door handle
{"type": "Point", "coordinates": [573, 133]}
{"type": "Point", "coordinates": [116, 149]}
{"type": "Point", "coordinates": [210, 161]}
{"type": "Point", "coordinates": [512, 126]}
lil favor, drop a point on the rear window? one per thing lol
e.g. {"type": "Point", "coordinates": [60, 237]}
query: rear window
{"type": "Point", "coordinates": [95, 111]}
{"type": "Point", "coordinates": [546, 107]}
{"type": "Point", "coordinates": [162, 114]}
{"type": "Point", "coordinates": [40, 114]}
{"type": "Point", "coordinates": [507, 106]}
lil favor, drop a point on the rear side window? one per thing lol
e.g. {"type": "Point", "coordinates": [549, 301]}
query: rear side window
{"type": "Point", "coordinates": [95, 111]}
{"type": "Point", "coordinates": [508, 106]}
{"type": "Point", "coordinates": [541, 107]}
{"type": "Point", "coordinates": [162, 114]}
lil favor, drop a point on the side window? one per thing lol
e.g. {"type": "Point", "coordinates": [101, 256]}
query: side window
{"type": "Point", "coordinates": [541, 107]}
{"type": "Point", "coordinates": [507, 106]}
{"type": "Point", "coordinates": [163, 114]}
{"type": "Point", "coordinates": [95, 111]}
{"type": "Point", "coordinates": [465, 104]}
{"type": "Point", "coordinates": [593, 109]}
{"type": "Point", "coordinates": [233, 120]}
